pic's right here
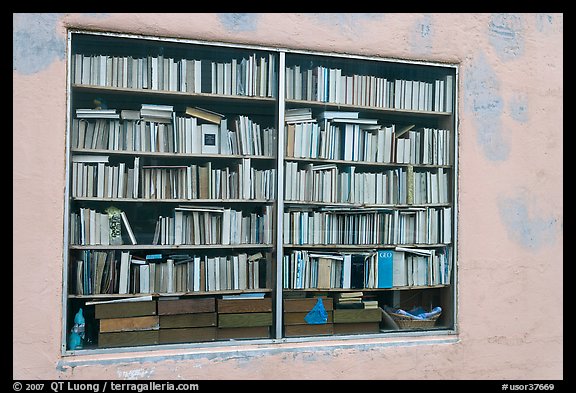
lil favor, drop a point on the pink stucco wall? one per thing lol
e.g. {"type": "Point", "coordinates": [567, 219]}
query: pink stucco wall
{"type": "Point", "coordinates": [510, 207]}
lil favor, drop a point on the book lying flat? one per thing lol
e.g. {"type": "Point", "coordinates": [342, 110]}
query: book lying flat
{"type": "Point", "coordinates": [244, 305]}
{"type": "Point", "coordinates": [205, 114]}
{"type": "Point", "coordinates": [128, 339]}
{"type": "Point", "coordinates": [186, 306]}
{"type": "Point", "coordinates": [188, 320]}
{"type": "Point", "coordinates": [243, 332]}
{"type": "Point", "coordinates": [123, 310]}
{"type": "Point", "coordinates": [185, 335]}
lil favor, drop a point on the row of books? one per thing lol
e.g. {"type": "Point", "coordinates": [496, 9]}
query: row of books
{"type": "Point", "coordinates": [366, 227]}
{"type": "Point", "coordinates": [327, 84]}
{"type": "Point", "coordinates": [333, 184]}
{"type": "Point", "coordinates": [238, 181]}
{"type": "Point", "coordinates": [91, 227]}
{"type": "Point", "coordinates": [121, 272]}
{"type": "Point", "coordinates": [196, 273]}
{"type": "Point", "coordinates": [343, 139]}
{"type": "Point", "coordinates": [251, 75]}
{"type": "Point", "coordinates": [92, 176]}
{"type": "Point", "coordinates": [189, 134]}
{"type": "Point", "coordinates": [199, 225]}
{"type": "Point", "coordinates": [402, 267]}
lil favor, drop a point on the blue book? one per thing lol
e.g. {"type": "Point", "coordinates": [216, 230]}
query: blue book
{"type": "Point", "coordinates": [385, 266]}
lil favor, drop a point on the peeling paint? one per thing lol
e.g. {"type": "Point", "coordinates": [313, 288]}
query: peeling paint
{"type": "Point", "coordinates": [518, 107]}
{"type": "Point", "coordinates": [239, 21]}
{"type": "Point", "coordinates": [524, 228]}
{"type": "Point", "coordinates": [138, 373]}
{"type": "Point", "coordinates": [548, 23]}
{"type": "Point", "coordinates": [483, 100]}
{"type": "Point", "coordinates": [422, 36]}
{"type": "Point", "coordinates": [506, 35]}
{"type": "Point", "coordinates": [36, 42]}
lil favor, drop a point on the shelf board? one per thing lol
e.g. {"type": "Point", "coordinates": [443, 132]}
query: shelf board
{"type": "Point", "coordinates": [159, 295]}
{"type": "Point", "coordinates": [201, 157]}
{"type": "Point", "coordinates": [170, 246]}
{"type": "Point", "coordinates": [168, 200]}
{"type": "Point", "coordinates": [370, 109]}
{"type": "Point", "coordinates": [363, 163]}
{"type": "Point", "coordinates": [93, 89]}
{"type": "Point", "coordinates": [363, 206]}
{"type": "Point", "coordinates": [364, 289]}
{"type": "Point", "coordinates": [362, 246]}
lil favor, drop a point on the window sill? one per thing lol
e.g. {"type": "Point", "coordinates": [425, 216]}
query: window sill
{"type": "Point", "coordinates": [252, 348]}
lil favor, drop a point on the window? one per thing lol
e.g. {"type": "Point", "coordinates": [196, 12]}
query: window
{"type": "Point", "coordinates": [222, 192]}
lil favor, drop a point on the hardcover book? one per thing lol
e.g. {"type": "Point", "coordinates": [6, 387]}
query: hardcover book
{"type": "Point", "coordinates": [186, 306]}
{"type": "Point", "coordinates": [186, 335]}
{"type": "Point", "coordinates": [123, 310]}
{"type": "Point", "coordinates": [128, 339]}
{"type": "Point", "coordinates": [188, 320]}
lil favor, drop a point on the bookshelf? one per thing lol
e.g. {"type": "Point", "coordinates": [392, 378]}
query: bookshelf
{"type": "Point", "coordinates": [241, 186]}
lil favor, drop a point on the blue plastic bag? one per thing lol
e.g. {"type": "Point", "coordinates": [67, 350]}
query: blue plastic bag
{"type": "Point", "coordinates": [318, 314]}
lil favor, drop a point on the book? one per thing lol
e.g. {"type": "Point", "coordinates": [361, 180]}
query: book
{"type": "Point", "coordinates": [338, 115]}
{"type": "Point", "coordinates": [225, 306]}
{"type": "Point", "coordinates": [357, 315]}
{"type": "Point", "coordinates": [357, 271]}
{"type": "Point", "coordinates": [243, 332]}
{"type": "Point", "coordinates": [124, 309]}
{"type": "Point", "coordinates": [210, 139]}
{"type": "Point", "coordinates": [90, 158]}
{"type": "Point", "coordinates": [385, 268]}
{"type": "Point", "coordinates": [244, 319]}
{"type": "Point", "coordinates": [186, 306]}
{"type": "Point", "coordinates": [97, 114]}
{"type": "Point", "coordinates": [149, 322]}
{"type": "Point", "coordinates": [205, 114]}
{"type": "Point", "coordinates": [128, 338]}
{"type": "Point", "coordinates": [187, 320]}
{"type": "Point", "coordinates": [128, 227]}
{"type": "Point", "coordinates": [186, 335]}
{"type": "Point", "coordinates": [128, 114]}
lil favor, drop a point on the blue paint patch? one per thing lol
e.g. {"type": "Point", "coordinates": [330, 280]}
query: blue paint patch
{"type": "Point", "coordinates": [518, 107]}
{"type": "Point", "coordinates": [506, 35]}
{"type": "Point", "coordinates": [421, 41]}
{"type": "Point", "coordinates": [483, 100]}
{"type": "Point", "coordinates": [36, 42]}
{"type": "Point", "coordinates": [531, 232]}
{"type": "Point", "coordinates": [544, 22]}
{"type": "Point", "coordinates": [239, 21]}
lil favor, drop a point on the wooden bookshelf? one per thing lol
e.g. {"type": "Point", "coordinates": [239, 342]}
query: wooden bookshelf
{"type": "Point", "coordinates": [170, 174]}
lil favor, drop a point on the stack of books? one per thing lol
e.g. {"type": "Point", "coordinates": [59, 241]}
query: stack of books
{"type": "Point", "coordinates": [246, 315]}
{"type": "Point", "coordinates": [127, 322]}
{"type": "Point", "coordinates": [185, 320]}
{"type": "Point", "coordinates": [349, 300]}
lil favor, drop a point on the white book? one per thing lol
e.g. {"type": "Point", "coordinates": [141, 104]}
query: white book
{"type": "Point", "coordinates": [210, 139]}
{"type": "Point", "coordinates": [197, 276]}
{"type": "Point", "coordinates": [169, 275]}
{"type": "Point", "coordinates": [144, 278]}
{"type": "Point", "coordinates": [128, 228]}
{"type": "Point", "coordinates": [124, 277]}
{"type": "Point", "coordinates": [348, 141]}
{"type": "Point", "coordinates": [226, 226]}
{"type": "Point", "coordinates": [197, 76]}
